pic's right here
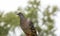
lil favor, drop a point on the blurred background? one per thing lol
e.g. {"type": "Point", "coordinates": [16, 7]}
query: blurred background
{"type": "Point", "coordinates": [45, 15]}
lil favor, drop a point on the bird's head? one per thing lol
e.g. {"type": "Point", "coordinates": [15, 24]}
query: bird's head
{"type": "Point", "coordinates": [21, 15]}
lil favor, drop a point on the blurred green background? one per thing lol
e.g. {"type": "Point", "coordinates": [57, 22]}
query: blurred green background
{"type": "Point", "coordinates": [9, 21]}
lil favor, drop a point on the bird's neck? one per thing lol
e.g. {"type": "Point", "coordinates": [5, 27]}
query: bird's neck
{"type": "Point", "coordinates": [22, 18]}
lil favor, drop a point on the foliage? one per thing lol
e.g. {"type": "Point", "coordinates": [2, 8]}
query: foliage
{"type": "Point", "coordinates": [3, 29]}
{"type": "Point", "coordinates": [48, 21]}
{"type": "Point", "coordinates": [7, 22]}
{"type": "Point", "coordinates": [11, 20]}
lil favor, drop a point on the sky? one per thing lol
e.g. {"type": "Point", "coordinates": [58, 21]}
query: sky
{"type": "Point", "coordinates": [12, 5]}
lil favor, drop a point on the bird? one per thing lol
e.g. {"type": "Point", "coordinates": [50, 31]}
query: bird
{"type": "Point", "coordinates": [27, 25]}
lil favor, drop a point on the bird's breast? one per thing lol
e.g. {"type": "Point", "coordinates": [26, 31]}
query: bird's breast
{"type": "Point", "coordinates": [24, 24]}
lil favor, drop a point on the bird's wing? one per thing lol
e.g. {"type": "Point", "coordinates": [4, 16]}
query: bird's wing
{"type": "Point", "coordinates": [31, 29]}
